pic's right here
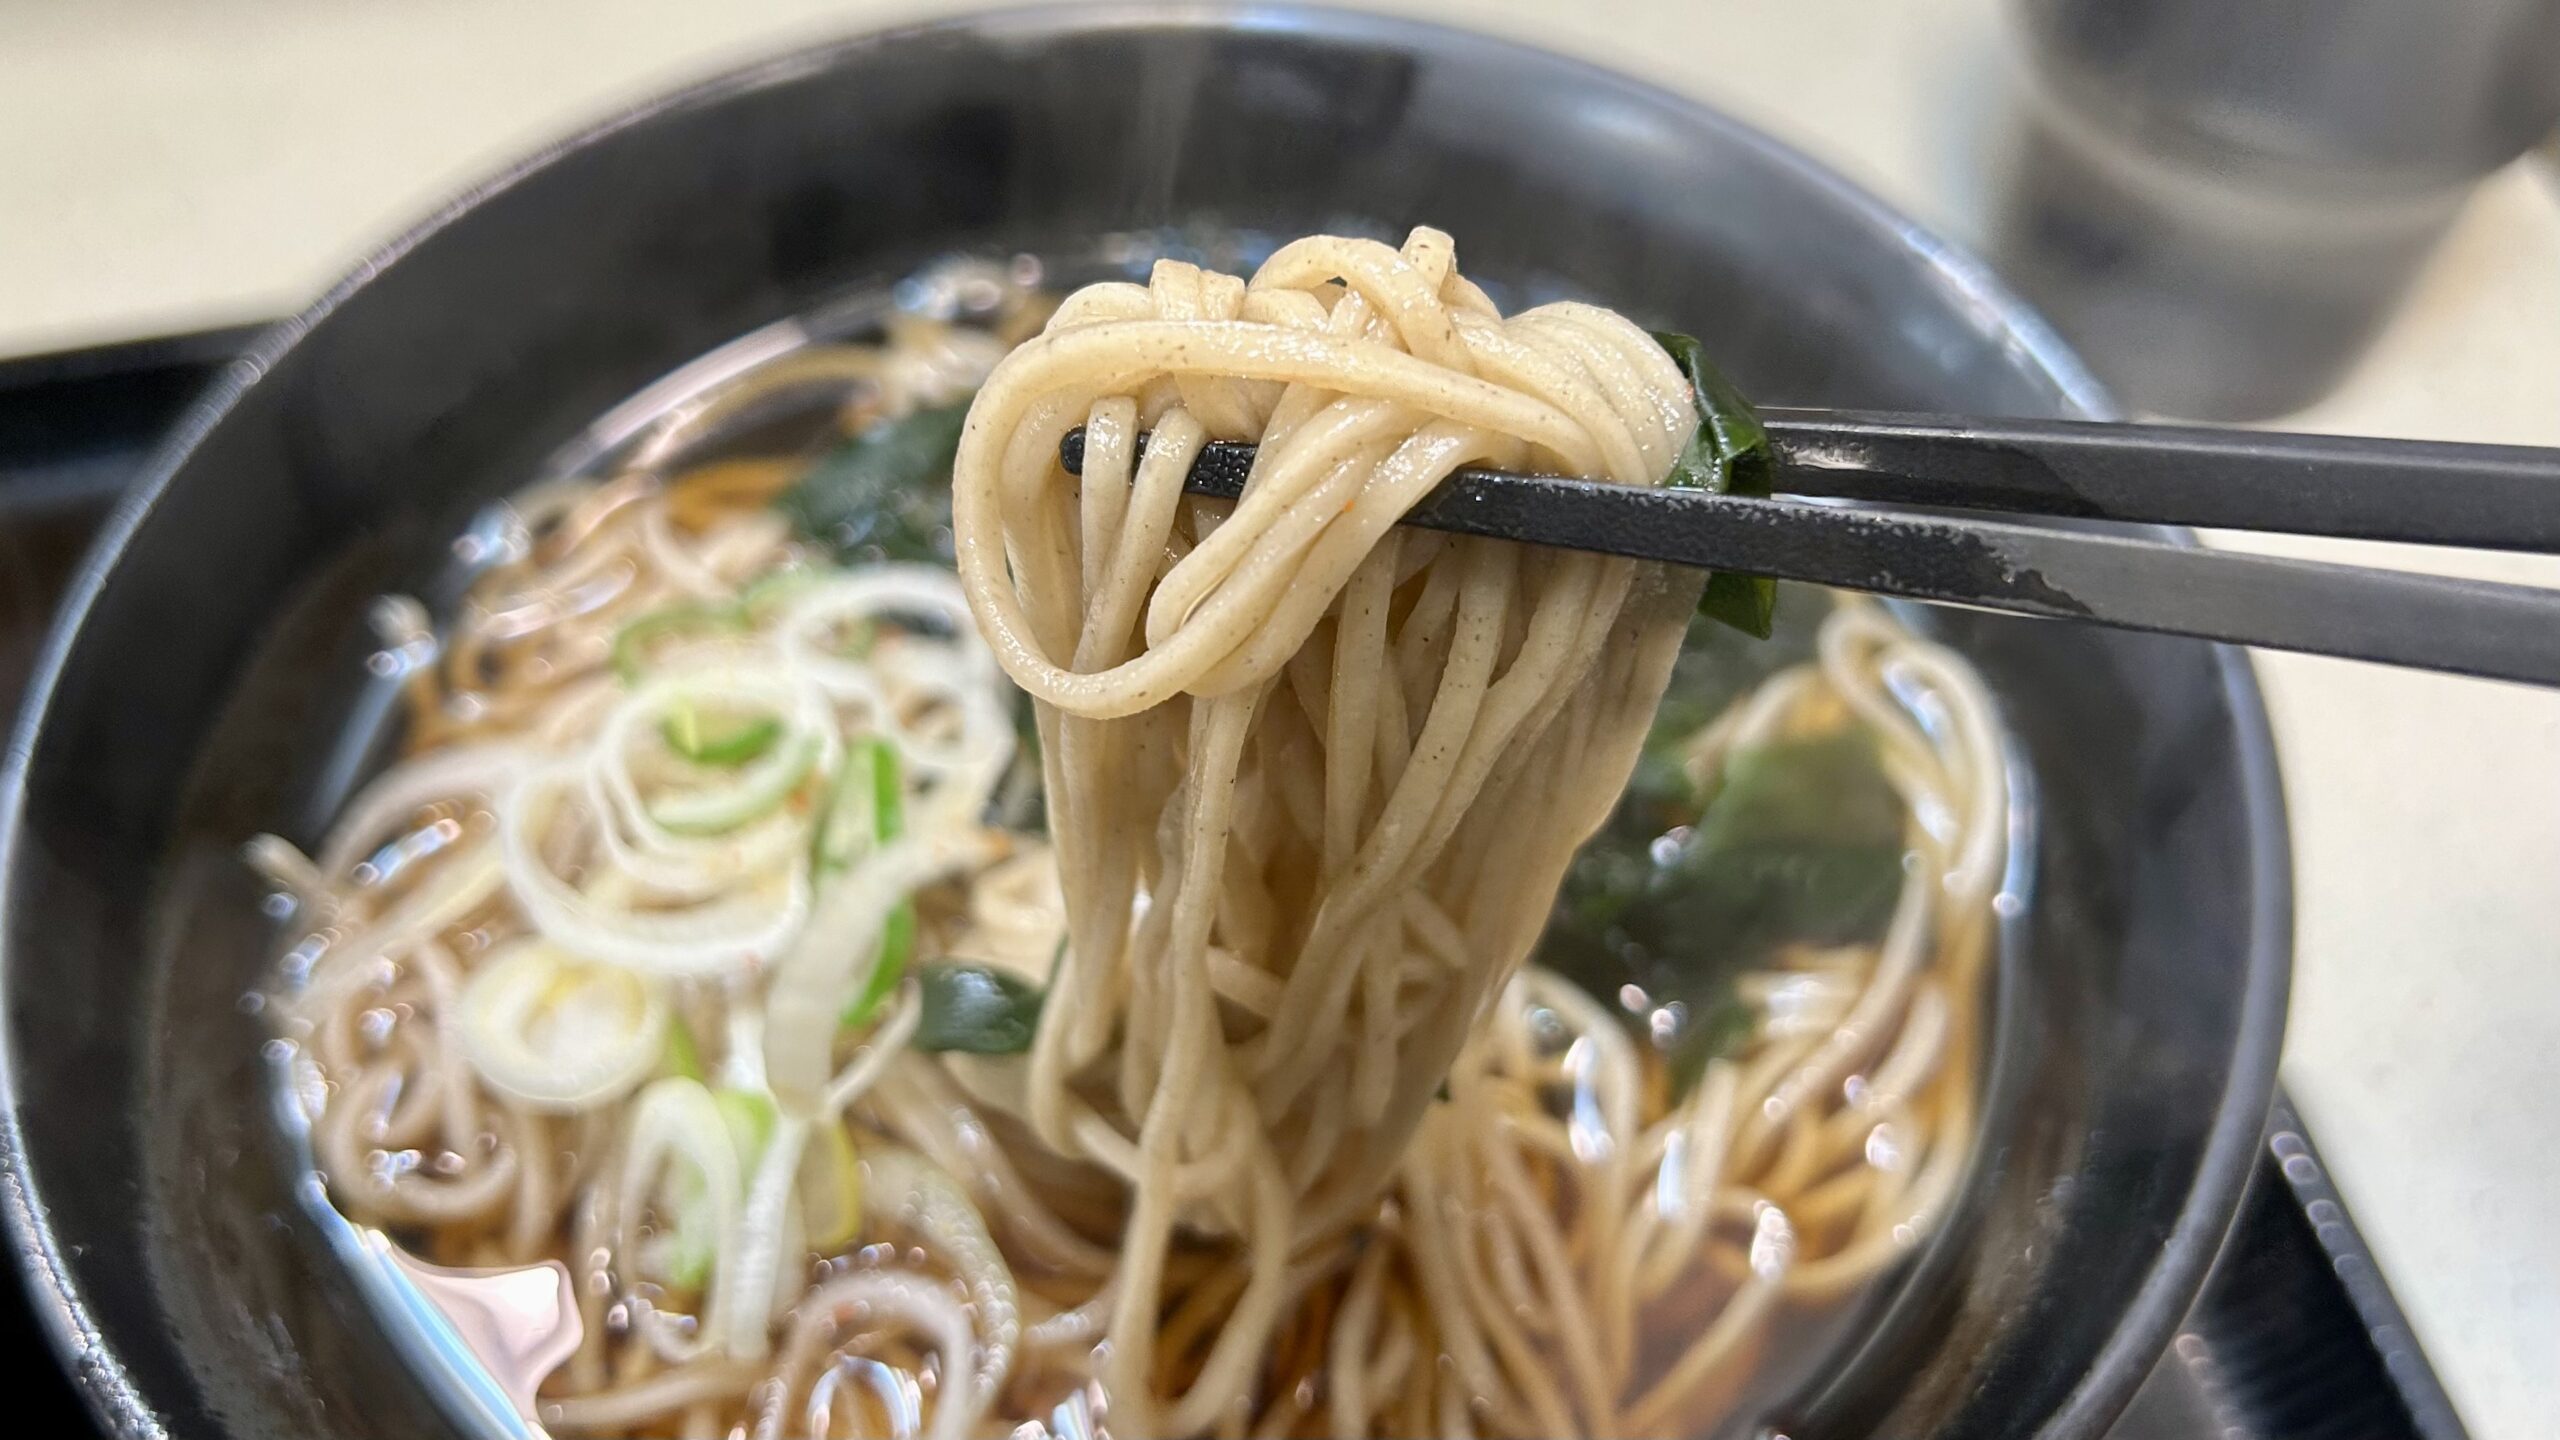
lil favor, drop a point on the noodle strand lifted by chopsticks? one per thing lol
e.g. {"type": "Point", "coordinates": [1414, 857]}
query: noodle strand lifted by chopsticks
{"type": "Point", "coordinates": [1206, 775]}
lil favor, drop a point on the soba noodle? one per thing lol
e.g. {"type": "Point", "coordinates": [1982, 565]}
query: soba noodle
{"type": "Point", "coordinates": [702, 941]}
{"type": "Point", "coordinates": [1348, 762]}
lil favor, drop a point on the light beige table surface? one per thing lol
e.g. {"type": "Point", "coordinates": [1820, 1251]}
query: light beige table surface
{"type": "Point", "coordinates": [166, 163]}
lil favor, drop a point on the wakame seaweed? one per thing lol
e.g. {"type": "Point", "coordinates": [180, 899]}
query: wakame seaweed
{"type": "Point", "coordinates": [1729, 455]}
{"type": "Point", "coordinates": [979, 1009]}
{"type": "Point", "coordinates": [885, 494]}
{"type": "Point", "coordinates": [1796, 841]}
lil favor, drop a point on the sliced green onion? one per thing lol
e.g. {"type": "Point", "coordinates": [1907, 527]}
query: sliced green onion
{"type": "Point", "coordinates": [830, 1189]}
{"type": "Point", "coordinates": [683, 1057]}
{"type": "Point", "coordinates": [783, 586]}
{"type": "Point", "coordinates": [724, 740]}
{"type": "Point", "coordinates": [557, 1033]}
{"type": "Point", "coordinates": [679, 1149]}
{"type": "Point", "coordinates": [722, 936]}
{"type": "Point", "coordinates": [888, 790]}
{"type": "Point", "coordinates": [780, 585]}
{"type": "Point", "coordinates": [749, 1116]}
{"type": "Point", "coordinates": [631, 642]}
{"type": "Point", "coordinates": [867, 808]}
{"type": "Point", "coordinates": [718, 811]}
{"type": "Point", "coordinates": [692, 1244]}
{"type": "Point", "coordinates": [873, 786]}
{"type": "Point", "coordinates": [854, 642]}
{"type": "Point", "coordinates": [897, 947]}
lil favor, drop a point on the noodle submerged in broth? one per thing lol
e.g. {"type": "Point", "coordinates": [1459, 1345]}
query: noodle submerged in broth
{"type": "Point", "coordinates": [707, 939]}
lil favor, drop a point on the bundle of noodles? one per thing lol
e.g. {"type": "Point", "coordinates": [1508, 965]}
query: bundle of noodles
{"type": "Point", "coordinates": [1313, 780]}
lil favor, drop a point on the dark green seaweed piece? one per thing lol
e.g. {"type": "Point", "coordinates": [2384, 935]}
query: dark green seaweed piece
{"type": "Point", "coordinates": [978, 1009]}
{"type": "Point", "coordinates": [885, 494]}
{"type": "Point", "coordinates": [1729, 455]}
{"type": "Point", "coordinates": [1799, 841]}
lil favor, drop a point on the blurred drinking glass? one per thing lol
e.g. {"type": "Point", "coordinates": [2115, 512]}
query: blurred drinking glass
{"type": "Point", "coordinates": [2220, 201]}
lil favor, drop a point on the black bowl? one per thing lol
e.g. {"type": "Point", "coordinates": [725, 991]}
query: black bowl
{"type": "Point", "coordinates": [207, 659]}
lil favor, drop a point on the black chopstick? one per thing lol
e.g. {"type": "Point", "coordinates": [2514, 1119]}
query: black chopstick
{"type": "Point", "coordinates": [2487, 497]}
{"type": "Point", "coordinates": [2491, 497]}
{"type": "Point", "coordinates": [2467, 627]}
